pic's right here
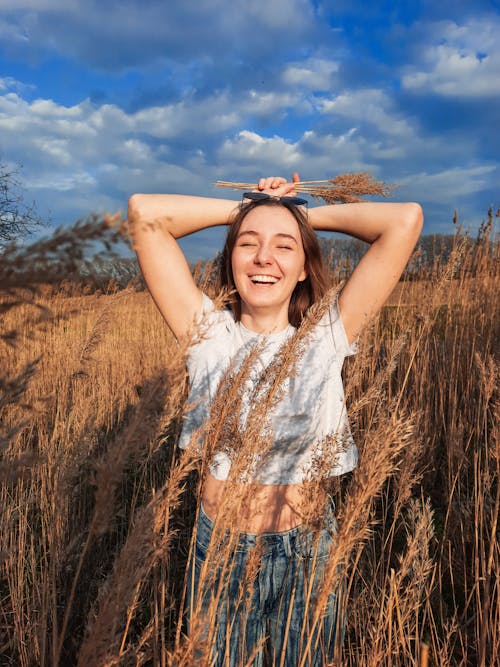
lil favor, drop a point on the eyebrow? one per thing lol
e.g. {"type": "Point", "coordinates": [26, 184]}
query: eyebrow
{"type": "Point", "coordinates": [280, 234]}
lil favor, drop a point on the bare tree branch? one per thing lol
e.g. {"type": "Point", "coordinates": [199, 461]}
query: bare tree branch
{"type": "Point", "coordinates": [17, 219]}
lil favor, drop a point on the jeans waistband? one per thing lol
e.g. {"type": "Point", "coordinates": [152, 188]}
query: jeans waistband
{"type": "Point", "coordinates": [269, 539]}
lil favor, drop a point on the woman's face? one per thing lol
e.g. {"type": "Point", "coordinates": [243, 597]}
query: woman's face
{"type": "Point", "coordinates": [268, 259]}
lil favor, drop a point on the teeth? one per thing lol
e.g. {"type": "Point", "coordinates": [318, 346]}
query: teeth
{"type": "Point", "coordinates": [264, 279]}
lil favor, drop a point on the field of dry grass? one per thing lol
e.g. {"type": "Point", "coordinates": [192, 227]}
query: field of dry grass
{"type": "Point", "coordinates": [98, 505]}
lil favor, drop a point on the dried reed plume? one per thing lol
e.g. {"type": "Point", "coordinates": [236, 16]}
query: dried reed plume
{"type": "Point", "coordinates": [343, 189]}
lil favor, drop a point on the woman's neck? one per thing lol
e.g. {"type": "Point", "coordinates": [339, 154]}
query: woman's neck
{"type": "Point", "coordinates": [264, 322]}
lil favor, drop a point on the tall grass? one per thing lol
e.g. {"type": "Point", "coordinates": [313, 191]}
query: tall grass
{"type": "Point", "coordinates": [98, 504]}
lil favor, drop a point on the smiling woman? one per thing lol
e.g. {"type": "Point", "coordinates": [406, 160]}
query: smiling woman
{"type": "Point", "coordinates": [273, 233]}
{"type": "Point", "coordinates": [294, 415]}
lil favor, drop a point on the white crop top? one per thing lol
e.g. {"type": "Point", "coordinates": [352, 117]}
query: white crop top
{"type": "Point", "coordinates": [309, 420]}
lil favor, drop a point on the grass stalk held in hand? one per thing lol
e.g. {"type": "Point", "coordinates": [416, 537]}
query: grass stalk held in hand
{"type": "Point", "coordinates": [342, 189]}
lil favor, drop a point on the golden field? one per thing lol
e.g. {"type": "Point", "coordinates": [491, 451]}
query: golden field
{"type": "Point", "coordinates": [97, 504]}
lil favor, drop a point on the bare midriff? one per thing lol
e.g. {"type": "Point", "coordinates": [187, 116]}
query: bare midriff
{"type": "Point", "coordinates": [271, 508]}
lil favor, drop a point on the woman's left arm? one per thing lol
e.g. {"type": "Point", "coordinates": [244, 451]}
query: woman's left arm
{"type": "Point", "coordinates": [392, 230]}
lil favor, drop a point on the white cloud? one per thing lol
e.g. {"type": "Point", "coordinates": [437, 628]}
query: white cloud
{"type": "Point", "coordinates": [63, 182]}
{"type": "Point", "coordinates": [10, 84]}
{"type": "Point", "coordinates": [12, 34]}
{"type": "Point", "coordinates": [250, 147]}
{"type": "Point", "coordinates": [326, 155]}
{"type": "Point", "coordinates": [313, 155]}
{"type": "Point", "coordinates": [57, 150]}
{"type": "Point", "coordinates": [313, 74]}
{"type": "Point", "coordinates": [264, 103]}
{"type": "Point", "coordinates": [451, 184]}
{"type": "Point", "coordinates": [86, 158]}
{"type": "Point", "coordinates": [49, 109]}
{"type": "Point", "coordinates": [133, 151]}
{"type": "Point", "coordinates": [42, 122]}
{"type": "Point", "coordinates": [368, 105]}
{"type": "Point", "coordinates": [460, 61]}
{"type": "Point", "coordinates": [211, 115]}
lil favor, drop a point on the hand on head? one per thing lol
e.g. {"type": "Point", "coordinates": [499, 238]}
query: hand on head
{"type": "Point", "coordinates": [278, 186]}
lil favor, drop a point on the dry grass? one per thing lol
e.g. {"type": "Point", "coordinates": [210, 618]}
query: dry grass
{"type": "Point", "coordinates": [344, 188]}
{"type": "Point", "coordinates": [98, 505]}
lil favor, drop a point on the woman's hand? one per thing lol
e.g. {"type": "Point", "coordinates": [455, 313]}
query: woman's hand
{"type": "Point", "coordinates": [277, 186]}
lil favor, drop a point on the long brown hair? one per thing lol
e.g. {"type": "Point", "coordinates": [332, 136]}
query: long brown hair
{"type": "Point", "coordinates": [307, 291]}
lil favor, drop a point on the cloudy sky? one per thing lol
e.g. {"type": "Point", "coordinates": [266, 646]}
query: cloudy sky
{"type": "Point", "coordinates": [103, 98]}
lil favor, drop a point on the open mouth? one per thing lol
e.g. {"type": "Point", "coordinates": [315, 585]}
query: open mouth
{"type": "Point", "coordinates": [264, 280]}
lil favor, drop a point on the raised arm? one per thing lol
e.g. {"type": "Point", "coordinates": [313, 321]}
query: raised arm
{"type": "Point", "coordinates": [156, 222]}
{"type": "Point", "coordinates": [392, 230]}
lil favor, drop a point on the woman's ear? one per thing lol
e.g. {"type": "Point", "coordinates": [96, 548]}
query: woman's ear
{"type": "Point", "coordinates": [303, 275]}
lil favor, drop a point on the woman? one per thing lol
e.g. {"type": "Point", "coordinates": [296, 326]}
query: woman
{"type": "Point", "coordinates": [271, 262]}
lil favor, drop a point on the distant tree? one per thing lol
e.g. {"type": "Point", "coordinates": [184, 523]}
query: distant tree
{"type": "Point", "coordinates": [342, 254]}
{"type": "Point", "coordinates": [432, 250]}
{"type": "Point", "coordinates": [435, 246]}
{"type": "Point", "coordinates": [17, 219]}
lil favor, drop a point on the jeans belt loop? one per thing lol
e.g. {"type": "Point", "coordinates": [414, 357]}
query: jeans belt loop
{"type": "Point", "coordinates": [286, 544]}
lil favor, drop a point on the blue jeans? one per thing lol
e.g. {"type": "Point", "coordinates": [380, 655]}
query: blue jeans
{"type": "Point", "coordinates": [264, 607]}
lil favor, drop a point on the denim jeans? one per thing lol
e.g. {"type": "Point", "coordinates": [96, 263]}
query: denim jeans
{"type": "Point", "coordinates": [264, 607]}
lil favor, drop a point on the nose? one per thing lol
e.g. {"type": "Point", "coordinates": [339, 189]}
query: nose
{"type": "Point", "coordinates": [263, 254]}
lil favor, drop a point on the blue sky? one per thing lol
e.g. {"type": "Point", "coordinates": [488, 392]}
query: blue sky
{"type": "Point", "coordinates": [103, 98]}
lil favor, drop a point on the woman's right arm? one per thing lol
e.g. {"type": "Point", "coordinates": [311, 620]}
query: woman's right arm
{"type": "Point", "coordinates": [156, 221]}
